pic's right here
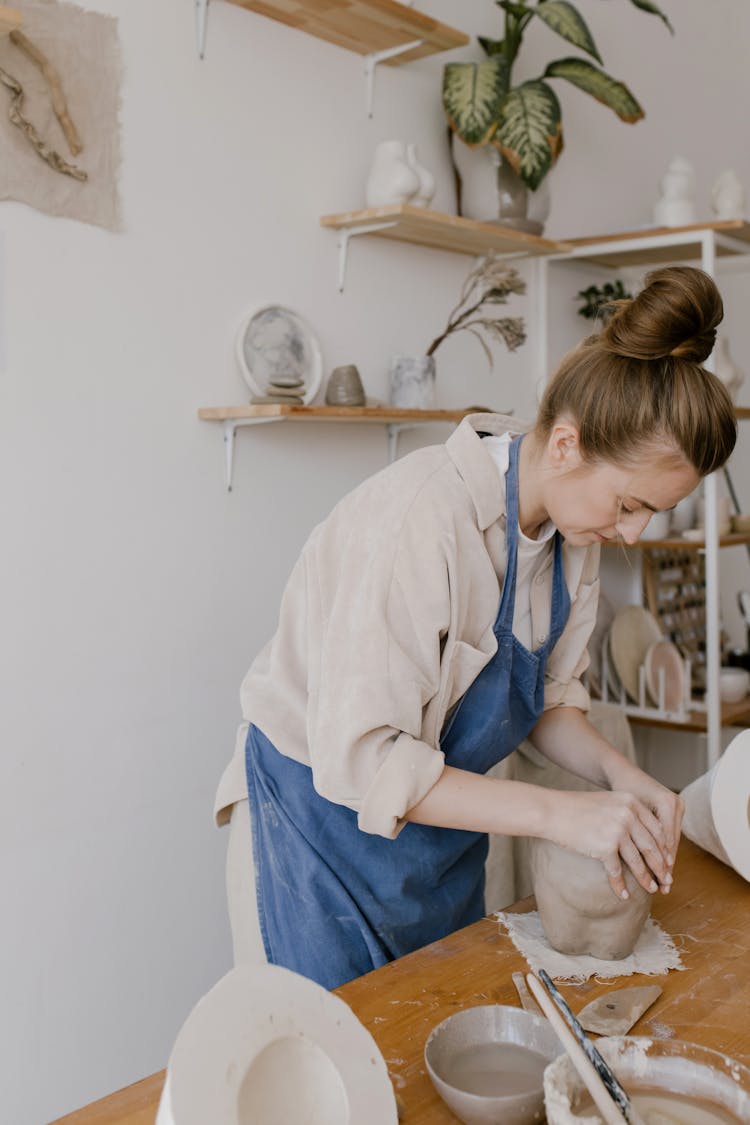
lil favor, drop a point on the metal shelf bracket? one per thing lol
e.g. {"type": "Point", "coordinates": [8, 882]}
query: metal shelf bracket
{"type": "Point", "coordinates": [201, 15]}
{"type": "Point", "coordinates": [229, 428]}
{"type": "Point", "coordinates": [372, 60]}
{"type": "Point", "coordinates": [343, 241]}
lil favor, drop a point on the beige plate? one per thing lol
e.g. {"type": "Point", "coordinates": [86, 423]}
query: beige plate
{"type": "Point", "coordinates": [663, 654]}
{"type": "Point", "coordinates": [633, 631]}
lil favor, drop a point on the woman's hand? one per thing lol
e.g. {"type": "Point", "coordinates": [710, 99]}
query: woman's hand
{"type": "Point", "coordinates": [616, 827]}
{"type": "Point", "coordinates": [667, 807]}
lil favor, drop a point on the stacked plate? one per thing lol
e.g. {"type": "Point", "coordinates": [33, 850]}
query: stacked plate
{"type": "Point", "coordinates": [634, 640]}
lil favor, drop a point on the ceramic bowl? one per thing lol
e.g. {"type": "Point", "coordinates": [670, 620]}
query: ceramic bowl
{"type": "Point", "coordinates": [713, 1080]}
{"type": "Point", "coordinates": [733, 684]}
{"type": "Point", "coordinates": [487, 1064]}
{"type": "Point", "coordinates": [658, 526]}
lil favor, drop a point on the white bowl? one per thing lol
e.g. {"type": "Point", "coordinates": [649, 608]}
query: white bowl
{"type": "Point", "coordinates": [658, 526]}
{"type": "Point", "coordinates": [487, 1064]}
{"type": "Point", "coordinates": [733, 684]}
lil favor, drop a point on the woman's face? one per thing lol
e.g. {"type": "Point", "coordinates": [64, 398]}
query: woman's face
{"type": "Point", "coordinates": [591, 503]}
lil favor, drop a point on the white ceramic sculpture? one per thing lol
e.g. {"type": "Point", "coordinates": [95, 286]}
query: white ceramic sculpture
{"type": "Point", "coordinates": [675, 207]}
{"type": "Point", "coordinates": [391, 180]}
{"type": "Point", "coordinates": [728, 196]}
{"type": "Point", "coordinates": [426, 188]}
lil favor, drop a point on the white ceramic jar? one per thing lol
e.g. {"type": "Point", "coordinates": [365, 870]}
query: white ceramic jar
{"type": "Point", "coordinates": [426, 188]}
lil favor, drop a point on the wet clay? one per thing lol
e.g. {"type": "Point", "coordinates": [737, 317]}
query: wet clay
{"type": "Point", "coordinates": [579, 911]}
{"type": "Point", "coordinates": [658, 1108]}
{"type": "Point", "coordinates": [495, 1070]}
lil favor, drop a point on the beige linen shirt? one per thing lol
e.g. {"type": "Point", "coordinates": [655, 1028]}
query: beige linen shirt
{"type": "Point", "coordinates": [386, 620]}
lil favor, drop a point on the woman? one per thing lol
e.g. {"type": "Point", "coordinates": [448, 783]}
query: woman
{"type": "Point", "coordinates": [438, 617]}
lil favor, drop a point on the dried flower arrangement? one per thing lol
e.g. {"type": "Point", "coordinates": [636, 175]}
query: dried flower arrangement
{"type": "Point", "coordinates": [488, 285]}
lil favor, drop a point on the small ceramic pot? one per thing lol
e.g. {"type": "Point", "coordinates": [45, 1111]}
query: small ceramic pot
{"type": "Point", "coordinates": [344, 387]}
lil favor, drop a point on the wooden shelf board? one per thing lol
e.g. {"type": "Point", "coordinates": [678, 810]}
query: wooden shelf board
{"type": "Point", "coordinates": [737, 229]}
{"type": "Point", "coordinates": [732, 715]}
{"type": "Point", "coordinates": [383, 414]}
{"type": "Point", "coordinates": [363, 26]}
{"type": "Point", "coordinates": [735, 539]}
{"type": "Point", "coordinates": [445, 232]}
{"type": "Point", "coordinates": [742, 412]}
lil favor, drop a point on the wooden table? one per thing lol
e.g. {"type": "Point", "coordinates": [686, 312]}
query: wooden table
{"type": "Point", "coordinates": [707, 913]}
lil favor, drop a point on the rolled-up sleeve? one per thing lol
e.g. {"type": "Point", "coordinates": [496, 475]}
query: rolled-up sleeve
{"type": "Point", "coordinates": [377, 669]}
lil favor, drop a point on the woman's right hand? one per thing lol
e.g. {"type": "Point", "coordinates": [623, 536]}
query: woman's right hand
{"type": "Point", "coordinates": [614, 827]}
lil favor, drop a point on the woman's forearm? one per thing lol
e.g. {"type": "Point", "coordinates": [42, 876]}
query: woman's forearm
{"type": "Point", "coordinates": [567, 738]}
{"type": "Point", "coordinates": [475, 803]}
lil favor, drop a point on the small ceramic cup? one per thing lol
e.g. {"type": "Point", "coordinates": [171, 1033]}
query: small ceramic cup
{"type": "Point", "coordinates": [344, 387]}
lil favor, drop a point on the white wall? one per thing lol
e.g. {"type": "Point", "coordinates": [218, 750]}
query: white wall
{"type": "Point", "coordinates": [135, 589]}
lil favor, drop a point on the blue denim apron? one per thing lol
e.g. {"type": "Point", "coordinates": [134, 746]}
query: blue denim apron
{"type": "Point", "coordinates": [335, 902]}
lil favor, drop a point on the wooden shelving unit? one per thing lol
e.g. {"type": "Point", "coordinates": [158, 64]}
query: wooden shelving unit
{"type": "Point", "coordinates": [732, 715]}
{"type": "Point", "coordinates": [677, 543]}
{"type": "Point", "coordinates": [233, 418]}
{"type": "Point", "coordinates": [732, 238]}
{"type": "Point", "coordinates": [363, 26]}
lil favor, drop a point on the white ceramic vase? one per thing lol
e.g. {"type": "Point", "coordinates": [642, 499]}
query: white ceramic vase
{"type": "Point", "coordinates": [391, 180]}
{"type": "Point", "coordinates": [412, 382]}
{"type": "Point", "coordinates": [727, 370]}
{"type": "Point", "coordinates": [426, 188]}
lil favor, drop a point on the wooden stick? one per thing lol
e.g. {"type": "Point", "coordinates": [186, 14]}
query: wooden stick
{"type": "Point", "coordinates": [591, 1079]}
{"type": "Point", "coordinates": [528, 1003]}
{"type": "Point", "coordinates": [52, 79]}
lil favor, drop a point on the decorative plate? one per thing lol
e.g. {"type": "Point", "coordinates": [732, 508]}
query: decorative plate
{"type": "Point", "coordinates": [664, 654]}
{"type": "Point", "coordinates": [276, 341]}
{"type": "Point", "coordinates": [633, 631]}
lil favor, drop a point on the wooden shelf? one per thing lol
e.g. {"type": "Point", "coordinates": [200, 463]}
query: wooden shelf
{"type": "Point", "coordinates": [363, 26]}
{"type": "Point", "coordinates": [443, 232]}
{"type": "Point", "coordinates": [732, 715]}
{"type": "Point", "coordinates": [736, 240]}
{"type": "Point", "coordinates": [742, 412]}
{"type": "Point", "coordinates": [384, 414]}
{"type": "Point", "coordinates": [233, 418]}
{"type": "Point", "coordinates": [677, 543]}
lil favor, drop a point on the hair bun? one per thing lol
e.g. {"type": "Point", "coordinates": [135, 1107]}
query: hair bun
{"type": "Point", "coordinates": [676, 314]}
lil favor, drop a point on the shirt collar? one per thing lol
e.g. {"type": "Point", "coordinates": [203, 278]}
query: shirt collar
{"type": "Point", "coordinates": [475, 465]}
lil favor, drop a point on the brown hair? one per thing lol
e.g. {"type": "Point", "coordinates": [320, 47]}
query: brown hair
{"type": "Point", "coordinates": [641, 382]}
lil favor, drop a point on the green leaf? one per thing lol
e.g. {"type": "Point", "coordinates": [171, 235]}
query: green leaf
{"type": "Point", "coordinates": [491, 46]}
{"type": "Point", "coordinates": [530, 133]}
{"type": "Point", "coordinates": [595, 82]}
{"type": "Point", "coordinates": [647, 6]}
{"type": "Point", "coordinates": [565, 20]}
{"type": "Point", "coordinates": [472, 96]}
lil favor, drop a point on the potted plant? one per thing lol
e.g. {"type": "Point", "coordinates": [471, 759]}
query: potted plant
{"type": "Point", "coordinates": [487, 286]}
{"type": "Point", "coordinates": [598, 300]}
{"type": "Point", "coordinates": [521, 125]}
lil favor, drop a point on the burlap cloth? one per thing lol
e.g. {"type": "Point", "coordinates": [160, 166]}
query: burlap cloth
{"type": "Point", "coordinates": [84, 49]}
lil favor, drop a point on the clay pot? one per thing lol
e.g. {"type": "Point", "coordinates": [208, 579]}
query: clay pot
{"type": "Point", "coordinates": [579, 911]}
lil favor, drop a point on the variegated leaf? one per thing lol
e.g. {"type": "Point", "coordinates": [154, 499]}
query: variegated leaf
{"type": "Point", "coordinates": [595, 82]}
{"type": "Point", "coordinates": [491, 46]}
{"type": "Point", "coordinates": [647, 6]}
{"type": "Point", "coordinates": [565, 20]}
{"type": "Point", "coordinates": [472, 96]}
{"type": "Point", "coordinates": [530, 133]}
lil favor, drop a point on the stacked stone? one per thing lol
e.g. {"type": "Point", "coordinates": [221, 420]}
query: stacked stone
{"type": "Point", "coordinates": [286, 389]}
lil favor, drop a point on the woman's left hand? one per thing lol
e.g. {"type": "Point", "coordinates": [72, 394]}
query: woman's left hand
{"type": "Point", "coordinates": [667, 807]}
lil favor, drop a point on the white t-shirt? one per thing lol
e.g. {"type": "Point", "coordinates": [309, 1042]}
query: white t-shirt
{"type": "Point", "coordinates": [532, 554]}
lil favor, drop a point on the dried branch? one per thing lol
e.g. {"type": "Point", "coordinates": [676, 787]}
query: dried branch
{"type": "Point", "coordinates": [490, 283]}
{"type": "Point", "coordinates": [17, 118]}
{"type": "Point", "coordinates": [52, 79]}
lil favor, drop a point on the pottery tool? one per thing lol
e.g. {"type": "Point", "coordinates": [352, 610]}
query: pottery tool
{"type": "Point", "coordinates": [617, 1011]}
{"type": "Point", "coordinates": [528, 1003]}
{"type": "Point", "coordinates": [609, 1097]}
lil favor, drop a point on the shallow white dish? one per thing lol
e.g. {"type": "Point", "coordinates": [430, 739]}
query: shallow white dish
{"type": "Point", "coordinates": [662, 654]}
{"type": "Point", "coordinates": [633, 631]}
{"type": "Point", "coordinates": [274, 340]}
